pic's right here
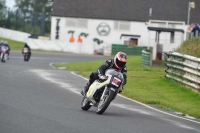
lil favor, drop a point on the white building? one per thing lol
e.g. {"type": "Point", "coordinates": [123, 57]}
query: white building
{"type": "Point", "coordinates": [125, 22]}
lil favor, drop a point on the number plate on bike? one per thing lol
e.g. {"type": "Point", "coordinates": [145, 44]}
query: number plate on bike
{"type": "Point", "coordinates": [116, 82]}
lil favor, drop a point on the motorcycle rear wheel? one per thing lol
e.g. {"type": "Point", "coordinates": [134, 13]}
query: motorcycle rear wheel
{"type": "Point", "coordinates": [85, 104]}
{"type": "Point", "coordinates": [103, 104]}
{"type": "Point", "coordinates": [25, 57]}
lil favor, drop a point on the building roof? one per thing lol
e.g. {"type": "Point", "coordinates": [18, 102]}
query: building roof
{"type": "Point", "coordinates": [129, 10]}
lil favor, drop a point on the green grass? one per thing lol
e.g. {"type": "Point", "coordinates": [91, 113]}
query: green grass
{"type": "Point", "coordinates": [148, 85]}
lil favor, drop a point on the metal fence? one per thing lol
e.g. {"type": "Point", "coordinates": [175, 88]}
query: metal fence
{"type": "Point", "coordinates": [184, 69]}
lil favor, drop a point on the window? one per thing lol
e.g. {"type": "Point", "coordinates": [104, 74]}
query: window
{"type": "Point", "coordinates": [131, 42]}
{"type": "Point", "coordinates": [172, 26]}
{"type": "Point", "coordinates": [162, 25]}
{"type": "Point", "coordinates": [76, 23]}
{"type": "Point", "coordinates": [82, 23]}
{"type": "Point", "coordinates": [71, 22]}
{"type": "Point", "coordinates": [121, 25]}
{"type": "Point", "coordinates": [116, 23]}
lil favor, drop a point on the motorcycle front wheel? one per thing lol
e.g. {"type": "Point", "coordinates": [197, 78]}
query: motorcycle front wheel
{"type": "Point", "coordinates": [85, 104]}
{"type": "Point", "coordinates": [105, 102]}
{"type": "Point", "coordinates": [2, 58]}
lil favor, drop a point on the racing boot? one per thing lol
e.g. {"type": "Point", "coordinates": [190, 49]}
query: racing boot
{"type": "Point", "coordinates": [121, 89]}
{"type": "Point", "coordinates": [85, 89]}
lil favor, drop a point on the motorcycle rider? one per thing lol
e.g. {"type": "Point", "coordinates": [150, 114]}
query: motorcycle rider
{"type": "Point", "coordinates": [118, 63]}
{"type": "Point", "coordinates": [5, 43]}
{"type": "Point", "coordinates": [29, 50]}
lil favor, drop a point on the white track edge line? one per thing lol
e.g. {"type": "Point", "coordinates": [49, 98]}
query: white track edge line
{"type": "Point", "coordinates": [51, 65]}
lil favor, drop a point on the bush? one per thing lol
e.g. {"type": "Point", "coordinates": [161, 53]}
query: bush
{"type": "Point", "coordinates": [190, 47]}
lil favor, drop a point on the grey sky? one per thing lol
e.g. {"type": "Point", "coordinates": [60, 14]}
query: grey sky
{"type": "Point", "coordinates": [10, 3]}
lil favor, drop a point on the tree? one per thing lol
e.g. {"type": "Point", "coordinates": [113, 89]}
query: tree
{"type": "Point", "coordinates": [35, 12]}
{"type": "Point", "coordinates": [2, 13]}
{"type": "Point", "coordinates": [2, 4]}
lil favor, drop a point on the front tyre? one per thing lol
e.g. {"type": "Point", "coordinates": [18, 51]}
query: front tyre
{"type": "Point", "coordinates": [2, 58]}
{"type": "Point", "coordinates": [85, 104]}
{"type": "Point", "coordinates": [105, 102]}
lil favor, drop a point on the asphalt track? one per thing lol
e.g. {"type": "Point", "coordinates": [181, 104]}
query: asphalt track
{"type": "Point", "coordinates": [36, 98]}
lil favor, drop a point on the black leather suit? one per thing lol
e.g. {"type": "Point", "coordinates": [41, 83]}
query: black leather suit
{"type": "Point", "coordinates": [26, 46]}
{"type": "Point", "coordinates": [101, 70]}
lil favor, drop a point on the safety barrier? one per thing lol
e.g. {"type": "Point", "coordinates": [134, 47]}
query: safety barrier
{"type": "Point", "coordinates": [14, 35]}
{"type": "Point", "coordinates": [184, 69]}
{"type": "Point", "coordinates": [146, 58]}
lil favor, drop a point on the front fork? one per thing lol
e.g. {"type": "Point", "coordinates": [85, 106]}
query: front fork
{"type": "Point", "coordinates": [105, 90]}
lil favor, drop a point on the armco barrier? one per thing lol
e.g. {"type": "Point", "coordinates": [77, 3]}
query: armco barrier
{"type": "Point", "coordinates": [146, 58]}
{"type": "Point", "coordinates": [184, 69]}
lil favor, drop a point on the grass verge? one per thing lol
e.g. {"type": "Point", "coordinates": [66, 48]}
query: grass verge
{"type": "Point", "coordinates": [148, 85]}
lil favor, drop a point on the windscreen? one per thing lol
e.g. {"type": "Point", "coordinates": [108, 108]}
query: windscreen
{"type": "Point", "coordinates": [115, 73]}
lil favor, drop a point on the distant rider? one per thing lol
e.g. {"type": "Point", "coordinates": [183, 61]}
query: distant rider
{"type": "Point", "coordinates": [5, 43]}
{"type": "Point", "coordinates": [29, 50]}
{"type": "Point", "coordinates": [119, 63]}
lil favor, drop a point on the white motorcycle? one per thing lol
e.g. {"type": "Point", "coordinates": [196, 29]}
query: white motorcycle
{"type": "Point", "coordinates": [4, 53]}
{"type": "Point", "coordinates": [101, 93]}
